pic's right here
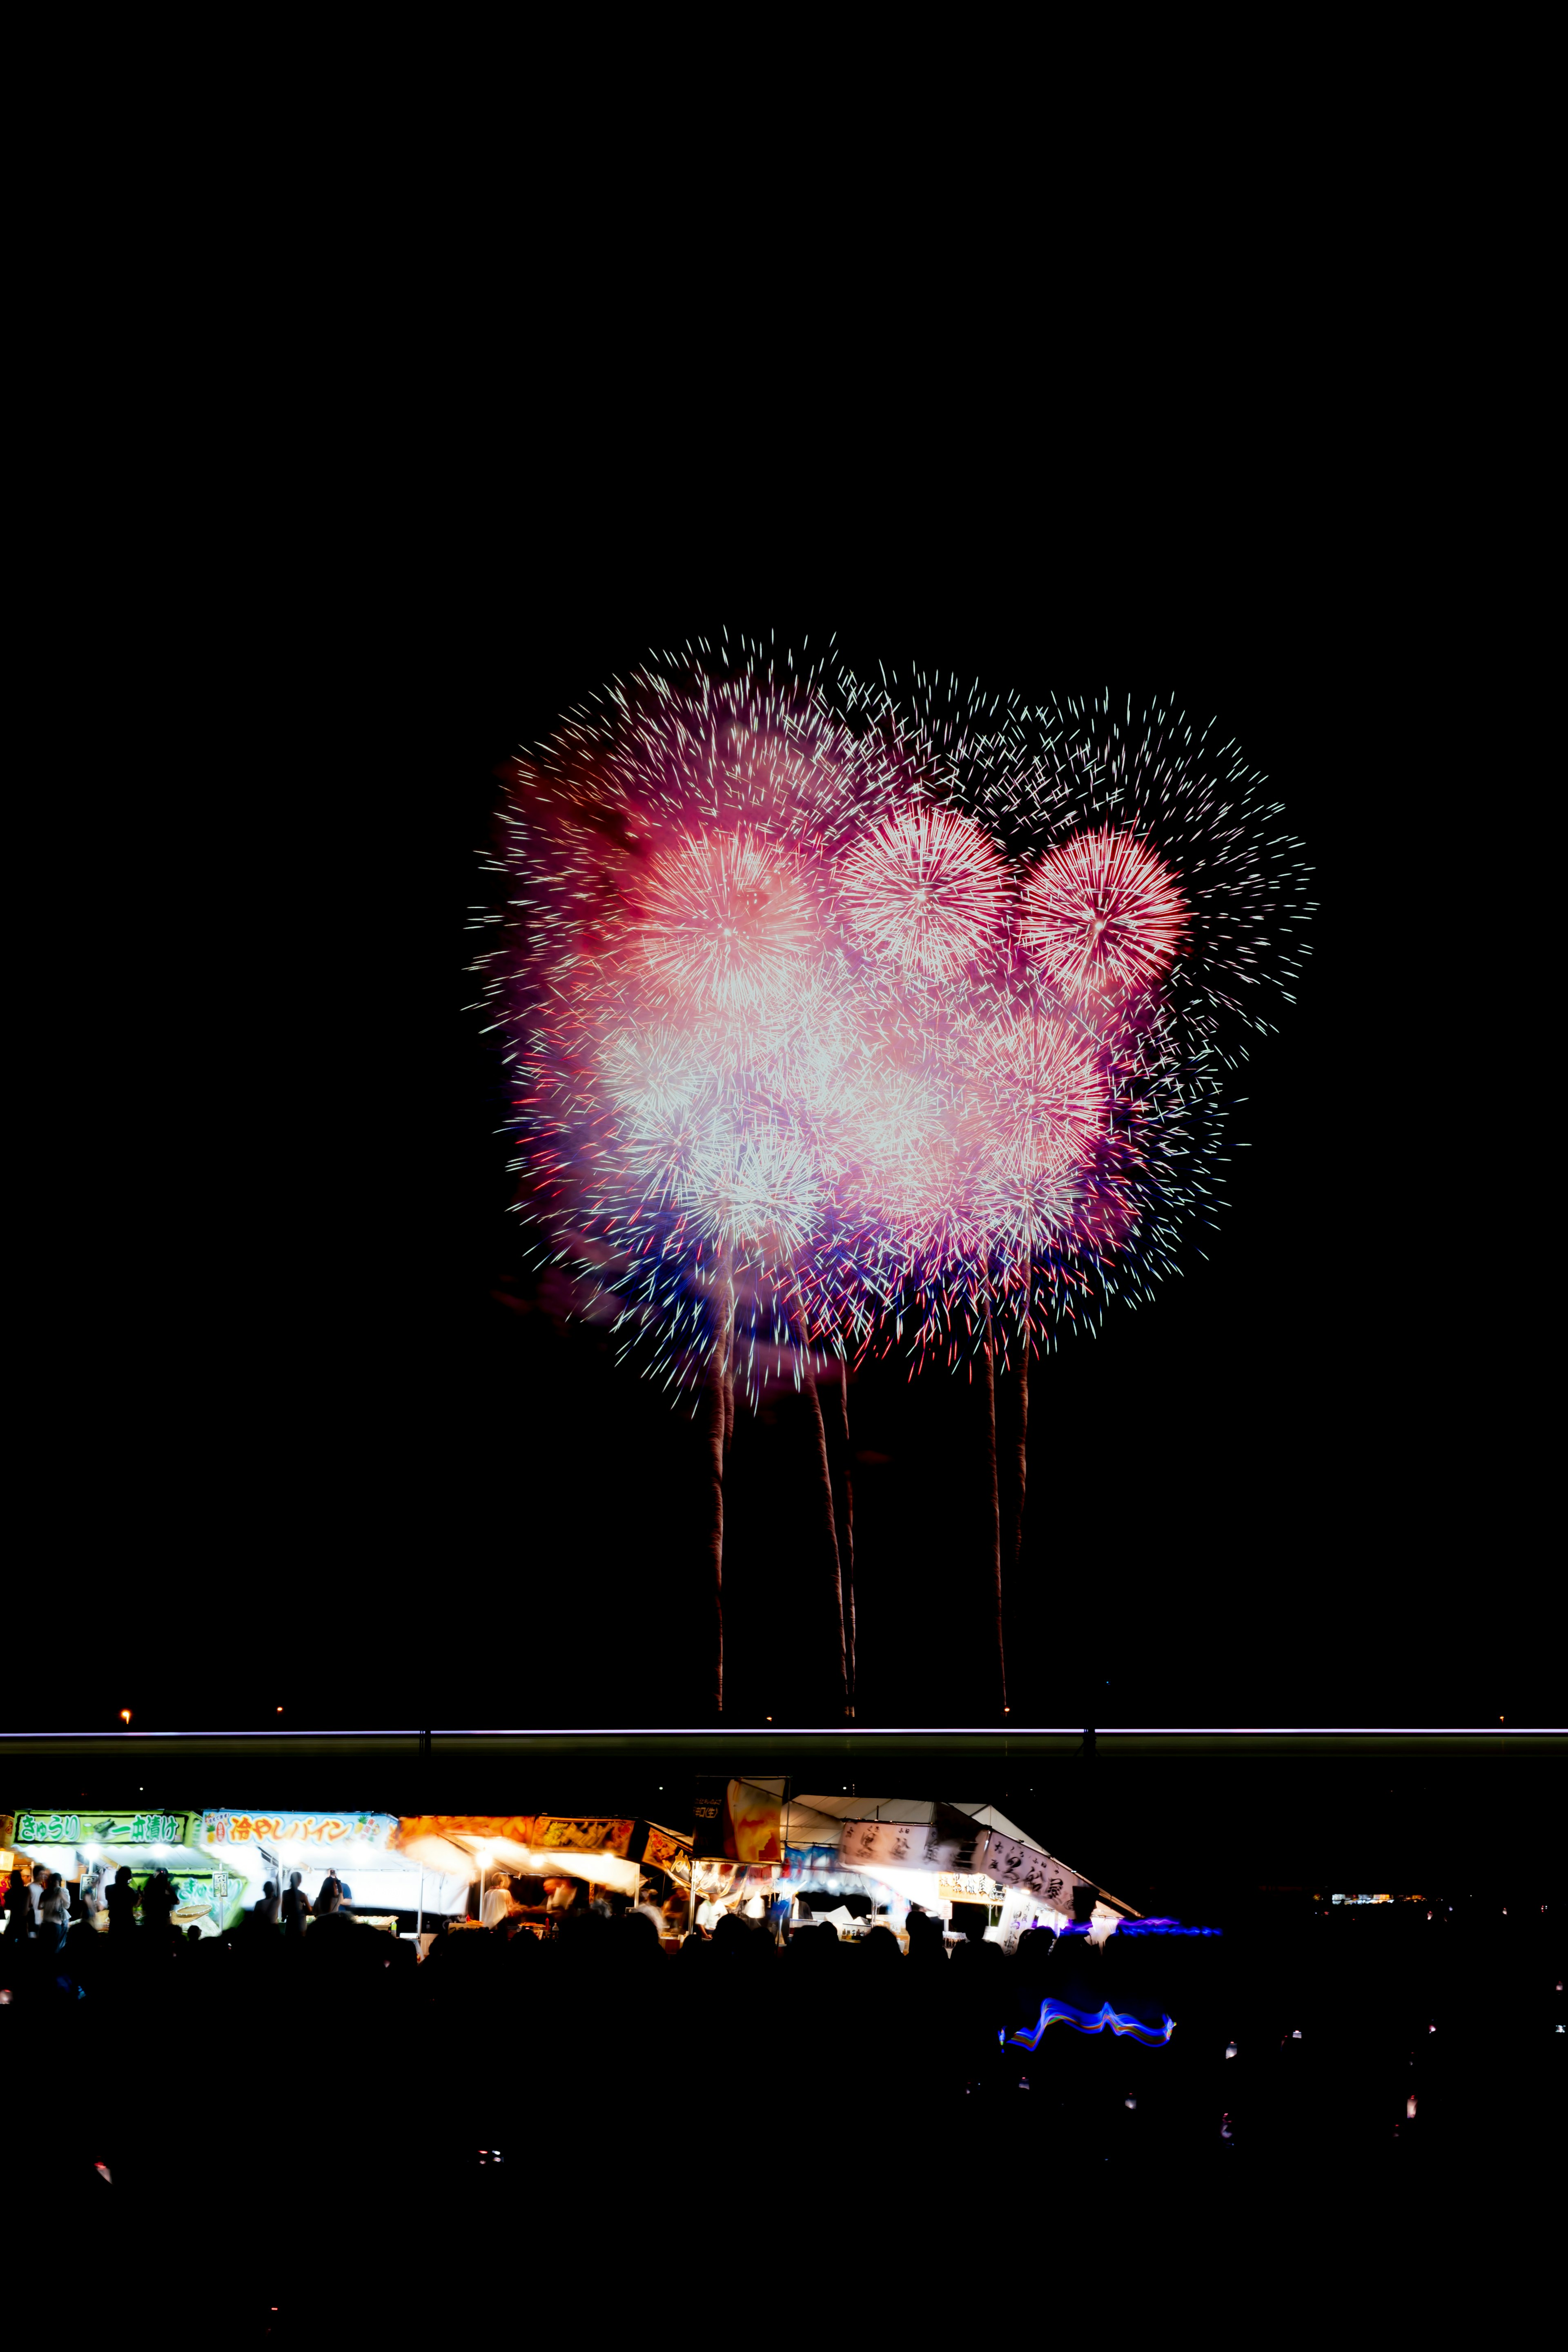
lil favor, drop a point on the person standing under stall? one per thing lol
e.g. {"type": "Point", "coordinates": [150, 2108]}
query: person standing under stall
{"type": "Point", "coordinates": [55, 1908]}
{"type": "Point", "coordinates": [266, 1912]}
{"type": "Point", "coordinates": [158, 1902]}
{"type": "Point", "coordinates": [498, 1905]}
{"type": "Point", "coordinates": [677, 1915]}
{"type": "Point", "coordinates": [561, 1899]}
{"type": "Point", "coordinates": [120, 1901]}
{"type": "Point", "coordinates": [295, 1906]}
{"type": "Point", "coordinates": [18, 1906]}
{"type": "Point", "coordinates": [330, 1896]}
{"type": "Point", "coordinates": [91, 1896]}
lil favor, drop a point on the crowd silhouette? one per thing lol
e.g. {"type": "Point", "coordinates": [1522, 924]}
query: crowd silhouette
{"type": "Point", "coordinates": [307, 2063]}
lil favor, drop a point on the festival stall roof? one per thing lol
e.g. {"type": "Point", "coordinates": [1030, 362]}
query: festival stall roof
{"type": "Point", "coordinates": [360, 1847]}
{"type": "Point", "coordinates": [822, 1819]}
{"type": "Point", "coordinates": [146, 1840]}
{"type": "Point", "coordinates": [833, 1812]}
{"type": "Point", "coordinates": [473, 1843]}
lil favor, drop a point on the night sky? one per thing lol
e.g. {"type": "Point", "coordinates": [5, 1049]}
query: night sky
{"type": "Point", "coordinates": [351, 1467]}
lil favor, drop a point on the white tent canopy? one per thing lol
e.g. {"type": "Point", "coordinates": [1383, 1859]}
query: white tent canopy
{"type": "Point", "coordinates": [820, 1819]}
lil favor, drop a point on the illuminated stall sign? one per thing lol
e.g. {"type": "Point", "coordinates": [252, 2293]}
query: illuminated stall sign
{"type": "Point", "coordinates": [549, 1833]}
{"type": "Point", "coordinates": [102, 1829]}
{"type": "Point", "coordinates": [324, 1830]}
{"type": "Point", "coordinates": [595, 1836]}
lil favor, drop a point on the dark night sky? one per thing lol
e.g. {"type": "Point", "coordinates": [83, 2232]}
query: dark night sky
{"type": "Point", "coordinates": [346, 1478]}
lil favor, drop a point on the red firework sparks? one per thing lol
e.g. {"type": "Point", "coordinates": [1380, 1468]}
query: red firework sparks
{"type": "Point", "coordinates": [926, 889]}
{"type": "Point", "coordinates": [1041, 1093]}
{"type": "Point", "coordinates": [725, 923]}
{"type": "Point", "coordinates": [1102, 913]}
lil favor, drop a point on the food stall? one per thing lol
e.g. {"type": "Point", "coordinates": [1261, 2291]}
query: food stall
{"type": "Point", "coordinates": [922, 1852]}
{"type": "Point", "coordinates": [381, 1884]}
{"type": "Point", "coordinates": [89, 1848]}
{"type": "Point", "coordinates": [489, 1852]}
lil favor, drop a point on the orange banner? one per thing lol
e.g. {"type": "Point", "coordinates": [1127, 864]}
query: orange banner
{"type": "Point", "coordinates": [665, 1850]}
{"type": "Point", "coordinates": [587, 1833]}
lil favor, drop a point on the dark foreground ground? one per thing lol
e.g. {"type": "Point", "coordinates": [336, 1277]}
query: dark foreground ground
{"type": "Point", "coordinates": [592, 2135]}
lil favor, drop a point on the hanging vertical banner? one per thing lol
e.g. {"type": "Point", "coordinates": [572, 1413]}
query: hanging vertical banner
{"type": "Point", "coordinates": [895, 1842]}
{"type": "Point", "coordinates": [735, 1821]}
{"type": "Point", "coordinates": [1014, 1864]}
{"type": "Point", "coordinates": [664, 1851]}
{"type": "Point", "coordinates": [956, 1841]}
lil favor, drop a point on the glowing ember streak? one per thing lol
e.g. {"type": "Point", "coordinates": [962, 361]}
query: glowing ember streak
{"type": "Point", "coordinates": [726, 921]}
{"type": "Point", "coordinates": [1102, 913]}
{"type": "Point", "coordinates": [927, 889]}
{"type": "Point", "coordinates": [1092, 2020]}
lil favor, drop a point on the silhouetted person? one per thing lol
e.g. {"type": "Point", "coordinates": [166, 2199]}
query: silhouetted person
{"type": "Point", "coordinates": [296, 1906]}
{"type": "Point", "coordinates": [265, 1913]}
{"type": "Point", "coordinates": [926, 1945]}
{"type": "Point", "coordinates": [1031, 1966]}
{"type": "Point", "coordinates": [119, 1901]}
{"type": "Point", "coordinates": [639, 1933]}
{"type": "Point", "coordinates": [328, 1896]}
{"type": "Point", "coordinates": [54, 1979]}
{"type": "Point", "coordinates": [18, 1906]}
{"type": "Point", "coordinates": [158, 1902]}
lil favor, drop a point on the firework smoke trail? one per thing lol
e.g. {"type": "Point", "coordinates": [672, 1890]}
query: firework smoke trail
{"type": "Point", "coordinates": [823, 1478]}
{"type": "Point", "coordinates": [671, 989]}
{"type": "Point", "coordinates": [848, 1019]}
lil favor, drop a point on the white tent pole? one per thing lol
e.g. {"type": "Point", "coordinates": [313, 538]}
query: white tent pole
{"type": "Point", "coordinates": [419, 1916]}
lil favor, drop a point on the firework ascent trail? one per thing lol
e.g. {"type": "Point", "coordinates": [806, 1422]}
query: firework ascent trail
{"type": "Point", "coordinates": [847, 1017]}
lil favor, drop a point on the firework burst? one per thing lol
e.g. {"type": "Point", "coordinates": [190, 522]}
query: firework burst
{"type": "Point", "coordinates": [846, 1018]}
{"type": "Point", "coordinates": [724, 924]}
{"type": "Point", "coordinates": [926, 889]}
{"type": "Point", "coordinates": [1102, 914]}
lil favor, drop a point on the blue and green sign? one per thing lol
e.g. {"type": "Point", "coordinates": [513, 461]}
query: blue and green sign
{"type": "Point", "coordinates": [102, 1829]}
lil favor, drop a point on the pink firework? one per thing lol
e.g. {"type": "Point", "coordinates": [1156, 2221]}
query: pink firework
{"type": "Point", "coordinates": [1102, 914]}
{"type": "Point", "coordinates": [1039, 1095]}
{"type": "Point", "coordinates": [927, 889]}
{"type": "Point", "coordinates": [726, 922]}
